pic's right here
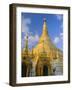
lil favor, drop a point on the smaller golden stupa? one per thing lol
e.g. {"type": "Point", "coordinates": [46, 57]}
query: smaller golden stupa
{"type": "Point", "coordinates": [44, 59]}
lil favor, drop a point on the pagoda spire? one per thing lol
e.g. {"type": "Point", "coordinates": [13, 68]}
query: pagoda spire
{"type": "Point", "coordinates": [44, 37]}
{"type": "Point", "coordinates": [44, 31]}
{"type": "Point", "coordinates": [26, 44]}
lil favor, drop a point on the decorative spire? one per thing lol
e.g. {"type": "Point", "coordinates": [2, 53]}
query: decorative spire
{"type": "Point", "coordinates": [44, 32]}
{"type": "Point", "coordinates": [44, 37]}
{"type": "Point", "coordinates": [26, 44]}
{"type": "Point", "coordinates": [44, 19]}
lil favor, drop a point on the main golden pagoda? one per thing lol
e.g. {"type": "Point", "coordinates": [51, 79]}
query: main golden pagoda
{"type": "Point", "coordinates": [44, 59]}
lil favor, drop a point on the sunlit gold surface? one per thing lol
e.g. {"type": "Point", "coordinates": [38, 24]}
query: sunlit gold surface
{"type": "Point", "coordinates": [43, 53]}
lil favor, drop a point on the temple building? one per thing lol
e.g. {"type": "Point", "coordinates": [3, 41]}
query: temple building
{"type": "Point", "coordinates": [45, 59]}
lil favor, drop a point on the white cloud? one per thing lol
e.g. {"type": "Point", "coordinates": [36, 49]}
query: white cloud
{"type": "Point", "coordinates": [32, 40]}
{"type": "Point", "coordinates": [25, 25]}
{"type": "Point", "coordinates": [25, 29]}
{"type": "Point", "coordinates": [22, 43]}
{"type": "Point", "coordinates": [61, 35]}
{"type": "Point", "coordinates": [59, 17]}
{"type": "Point", "coordinates": [57, 39]}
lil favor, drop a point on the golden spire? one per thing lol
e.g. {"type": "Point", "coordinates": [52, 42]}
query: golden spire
{"type": "Point", "coordinates": [26, 45]}
{"type": "Point", "coordinates": [44, 35]}
{"type": "Point", "coordinates": [44, 31]}
{"type": "Point", "coordinates": [25, 51]}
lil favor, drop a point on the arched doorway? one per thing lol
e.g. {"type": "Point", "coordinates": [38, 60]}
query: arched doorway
{"type": "Point", "coordinates": [45, 70]}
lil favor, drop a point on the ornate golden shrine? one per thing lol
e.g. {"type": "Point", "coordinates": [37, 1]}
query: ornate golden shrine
{"type": "Point", "coordinates": [38, 61]}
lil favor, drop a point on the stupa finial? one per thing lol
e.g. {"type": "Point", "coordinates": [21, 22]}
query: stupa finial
{"type": "Point", "coordinates": [45, 30]}
{"type": "Point", "coordinates": [44, 19]}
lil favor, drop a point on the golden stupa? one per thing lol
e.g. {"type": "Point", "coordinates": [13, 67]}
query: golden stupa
{"type": "Point", "coordinates": [44, 59]}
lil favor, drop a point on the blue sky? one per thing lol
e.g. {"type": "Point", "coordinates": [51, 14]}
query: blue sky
{"type": "Point", "coordinates": [32, 24]}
